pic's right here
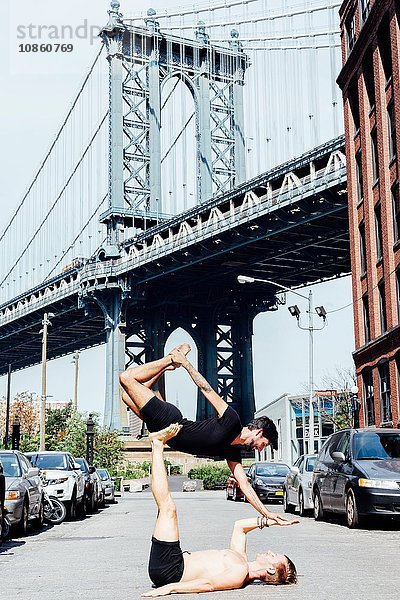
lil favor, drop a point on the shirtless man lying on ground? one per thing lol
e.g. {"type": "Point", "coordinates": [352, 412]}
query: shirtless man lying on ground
{"type": "Point", "coordinates": [218, 437]}
{"type": "Point", "coordinates": [175, 572]}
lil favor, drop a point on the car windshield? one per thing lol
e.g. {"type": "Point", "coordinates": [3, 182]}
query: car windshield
{"type": "Point", "coordinates": [103, 474]}
{"type": "Point", "coordinates": [376, 445]}
{"type": "Point", "coordinates": [310, 464]}
{"type": "Point", "coordinates": [82, 465]}
{"type": "Point", "coordinates": [50, 461]}
{"type": "Point", "coordinates": [10, 465]}
{"type": "Point", "coordinates": [272, 470]}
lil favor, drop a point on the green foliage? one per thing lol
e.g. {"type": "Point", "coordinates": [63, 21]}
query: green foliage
{"type": "Point", "coordinates": [214, 477]}
{"type": "Point", "coordinates": [29, 443]}
{"type": "Point", "coordinates": [108, 449]}
{"type": "Point", "coordinates": [56, 426]}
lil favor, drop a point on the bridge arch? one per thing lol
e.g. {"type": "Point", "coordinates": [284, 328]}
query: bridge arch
{"type": "Point", "coordinates": [179, 143]}
{"type": "Point", "coordinates": [180, 389]}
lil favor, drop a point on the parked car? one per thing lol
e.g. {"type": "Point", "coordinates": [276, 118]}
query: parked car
{"type": "Point", "coordinates": [267, 479]}
{"type": "Point", "coordinates": [23, 491]}
{"type": "Point", "coordinates": [108, 485]}
{"type": "Point", "coordinates": [297, 486]}
{"type": "Point", "coordinates": [357, 473]}
{"type": "Point", "coordinates": [2, 498]}
{"type": "Point", "coordinates": [63, 477]}
{"type": "Point", "coordinates": [101, 495]}
{"type": "Point", "coordinates": [91, 485]}
{"type": "Point", "coordinates": [233, 491]}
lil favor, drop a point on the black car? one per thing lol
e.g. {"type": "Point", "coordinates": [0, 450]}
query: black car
{"type": "Point", "coordinates": [91, 493]}
{"type": "Point", "coordinates": [357, 473]}
{"type": "Point", "coordinates": [2, 497]}
{"type": "Point", "coordinates": [267, 479]}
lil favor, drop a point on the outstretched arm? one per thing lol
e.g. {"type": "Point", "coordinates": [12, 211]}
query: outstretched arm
{"type": "Point", "coordinates": [241, 529]}
{"type": "Point", "coordinates": [230, 579]}
{"type": "Point", "coordinates": [179, 359]}
{"type": "Point", "coordinates": [248, 491]}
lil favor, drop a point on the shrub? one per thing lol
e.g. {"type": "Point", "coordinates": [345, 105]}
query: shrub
{"type": "Point", "coordinates": [214, 477]}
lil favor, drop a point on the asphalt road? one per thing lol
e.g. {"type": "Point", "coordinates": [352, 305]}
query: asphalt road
{"type": "Point", "coordinates": [105, 556]}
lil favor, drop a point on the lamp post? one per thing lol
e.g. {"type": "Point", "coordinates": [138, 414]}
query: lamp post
{"type": "Point", "coordinates": [7, 432]}
{"type": "Point", "coordinates": [46, 322]}
{"type": "Point", "coordinates": [89, 439]}
{"type": "Point", "coordinates": [295, 312]}
{"type": "Point", "coordinates": [355, 405]}
{"type": "Point", "coordinates": [75, 361]}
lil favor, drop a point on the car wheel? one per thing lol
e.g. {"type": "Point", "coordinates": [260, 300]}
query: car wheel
{"type": "Point", "coordinates": [22, 526]}
{"type": "Point", "coordinates": [302, 510]}
{"type": "Point", "coordinates": [227, 496]}
{"type": "Point", "coordinates": [287, 507]}
{"type": "Point", "coordinates": [82, 509]}
{"type": "Point", "coordinates": [38, 522]}
{"type": "Point", "coordinates": [318, 508]}
{"type": "Point", "coordinates": [352, 516]}
{"type": "Point", "coordinates": [71, 510]}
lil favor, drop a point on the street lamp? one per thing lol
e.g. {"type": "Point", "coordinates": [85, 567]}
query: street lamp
{"type": "Point", "coordinates": [295, 312]}
{"type": "Point", "coordinates": [355, 405]}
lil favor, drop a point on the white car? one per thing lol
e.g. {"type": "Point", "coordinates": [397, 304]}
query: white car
{"type": "Point", "coordinates": [297, 486]}
{"type": "Point", "coordinates": [63, 478]}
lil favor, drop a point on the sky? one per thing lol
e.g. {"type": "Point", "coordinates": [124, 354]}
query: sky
{"type": "Point", "coordinates": [36, 91]}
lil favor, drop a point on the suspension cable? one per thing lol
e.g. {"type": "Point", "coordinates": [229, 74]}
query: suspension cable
{"type": "Point", "coordinates": [262, 17]}
{"type": "Point", "coordinates": [209, 7]}
{"type": "Point", "coordinates": [52, 145]}
{"type": "Point", "coordinates": [262, 38]}
{"type": "Point", "coordinates": [55, 201]}
{"type": "Point", "coordinates": [178, 136]}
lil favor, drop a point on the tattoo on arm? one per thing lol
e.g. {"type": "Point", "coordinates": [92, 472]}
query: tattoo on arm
{"type": "Point", "coordinates": [199, 380]}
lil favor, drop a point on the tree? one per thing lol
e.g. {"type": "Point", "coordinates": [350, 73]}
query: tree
{"type": "Point", "coordinates": [56, 425]}
{"type": "Point", "coordinates": [108, 450]}
{"type": "Point", "coordinates": [340, 382]}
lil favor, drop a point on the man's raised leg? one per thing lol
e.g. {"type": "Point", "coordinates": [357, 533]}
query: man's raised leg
{"type": "Point", "coordinates": [166, 527]}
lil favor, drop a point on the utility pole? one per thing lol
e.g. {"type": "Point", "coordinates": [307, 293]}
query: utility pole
{"type": "Point", "coordinates": [45, 324]}
{"type": "Point", "coordinates": [8, 408]}
{"type": "Point", "coordinates": [311, 375]}
{"type": "Point", "coordinates": [76, 363]}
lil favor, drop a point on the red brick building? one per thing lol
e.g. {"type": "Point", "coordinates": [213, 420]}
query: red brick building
{"type": "Point", "coordinates": [371, 92]}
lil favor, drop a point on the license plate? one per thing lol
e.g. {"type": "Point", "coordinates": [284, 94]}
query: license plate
{"type": "Point", "coordinates": [280, 493]}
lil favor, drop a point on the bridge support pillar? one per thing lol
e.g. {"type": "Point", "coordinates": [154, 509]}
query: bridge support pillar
{"type": "Point", "coordinates": [225, 360]}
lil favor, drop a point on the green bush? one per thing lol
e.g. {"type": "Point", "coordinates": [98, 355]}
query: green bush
{"type": "Point", "coordinates": [214, 477]}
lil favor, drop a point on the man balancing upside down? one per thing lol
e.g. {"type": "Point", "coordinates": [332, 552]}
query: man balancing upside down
{"type": "Point", "coordinates": [173, 571]}
{"type": "Point", "coordinates": [218, 437]}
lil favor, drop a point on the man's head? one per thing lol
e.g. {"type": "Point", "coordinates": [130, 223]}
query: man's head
{"type": "Point", "coordinates": [263, 432]}
{"type": "Point", "coordinates": [273, 568]}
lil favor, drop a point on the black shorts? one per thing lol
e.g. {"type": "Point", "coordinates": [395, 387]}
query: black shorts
{"type": "Point", "coordinates": [158, 414]}
{"type": "Point", "coordinates": [166, 563]}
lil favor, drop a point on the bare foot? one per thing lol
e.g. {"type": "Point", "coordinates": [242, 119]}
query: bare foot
{"type": "Point", "coordinates": [165, 434]}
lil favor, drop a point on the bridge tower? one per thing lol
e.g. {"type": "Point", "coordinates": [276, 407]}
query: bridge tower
{"type": "Point", "coordinates": [141, 60]}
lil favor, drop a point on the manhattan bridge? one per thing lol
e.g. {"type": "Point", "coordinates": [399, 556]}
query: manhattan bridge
{"type": "Point", "coordinates": [204, 142]}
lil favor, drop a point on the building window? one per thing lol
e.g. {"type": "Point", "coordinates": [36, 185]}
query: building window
{"type": "Point", "coordinates": [391, 131]}
{"type": "Point", "coordinates": [378, 231]}
{"type": "Point", "coordinates": [385, 49]}
{"type": "Point", "coordinates": [398, 293]}
{"type": "Point", "coordinates": [364, 10]}
{"type": "Point", "coordinates": [396, 212]}
{"type": "Point", "coordinates": [368, 74]}
{"type": "Point", "coordinates": [368, 397]}
{"type": "Point", "coordinates": [384, 392]}
{"type": "Point", "coordinates": [351, 33]}
{"type": "Point", "coordinates": [382, 306]}
{"type": "Point", "coordinates": [359, 176]}
{"type": "Point", "coordinates": [354, 104]}
{"type": "Point", "coordinates": [374, 152]}
{"type": "Point", "coordinates": [363, 253]}
{"type": "Point", "coordinates": [367, 327]}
